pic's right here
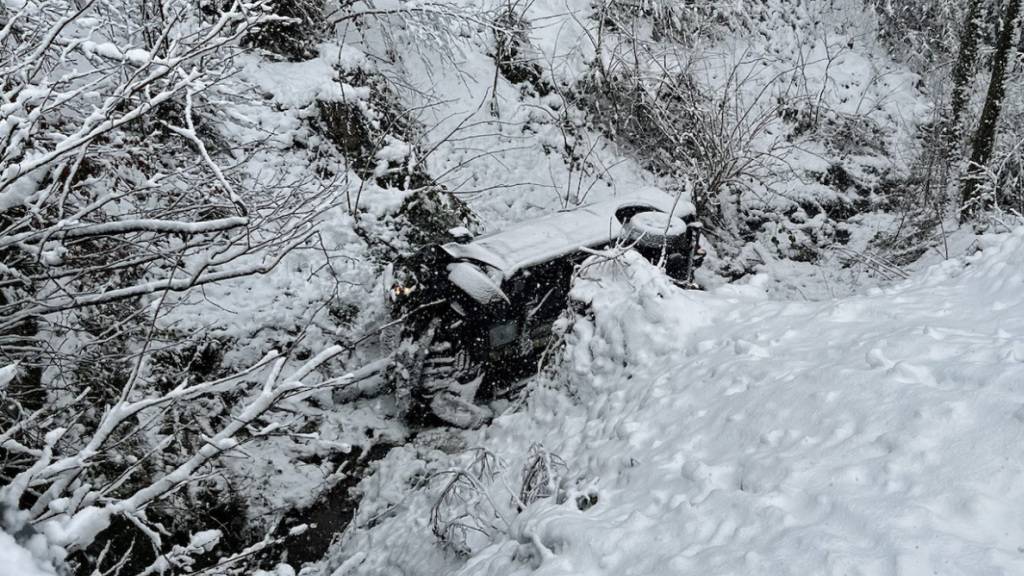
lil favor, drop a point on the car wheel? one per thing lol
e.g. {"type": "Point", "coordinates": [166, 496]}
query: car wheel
{"type": "Point", "coordinates": [654, 229]}
{"type": "Point", "coordinates": [408, 361]}
{"type": "Point", "coordinates": [454, 409]}
{"type": "Point", "coordinates": [433, 375]}
{"type": "Point", "coordinates": [449, 386]}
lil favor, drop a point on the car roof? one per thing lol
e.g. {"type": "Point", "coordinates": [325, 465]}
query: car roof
{"type": "Point", "coordinates": [542, 239]}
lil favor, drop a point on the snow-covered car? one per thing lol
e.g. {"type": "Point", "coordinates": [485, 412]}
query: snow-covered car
{"type": "Point", "coordinates": [476, 314]}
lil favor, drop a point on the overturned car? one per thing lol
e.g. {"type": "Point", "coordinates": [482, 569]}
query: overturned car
{"type": "Point", "coordinates": [476, 314]}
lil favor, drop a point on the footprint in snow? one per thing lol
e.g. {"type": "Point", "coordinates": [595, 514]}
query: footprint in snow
{"type": "Point", "coordinates": [877, 359]}
{"type": "Point", "coordinates": [907, 373]}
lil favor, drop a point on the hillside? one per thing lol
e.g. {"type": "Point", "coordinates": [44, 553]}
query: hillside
{"type": "Point", "coordinates": [730, 432]}
{"type": "Point", "coordinates": [206, 212]}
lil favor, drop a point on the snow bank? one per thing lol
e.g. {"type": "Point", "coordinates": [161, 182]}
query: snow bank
{"type": "Point", "coordinates": [727, 433]}
{"type": "Point", "coordinates": [295, 85]}
{"type": "Point", "coordinates": [16, 560]}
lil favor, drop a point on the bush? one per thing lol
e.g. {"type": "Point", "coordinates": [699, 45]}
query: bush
{"type": "Point", "coordinates": [295, 36]}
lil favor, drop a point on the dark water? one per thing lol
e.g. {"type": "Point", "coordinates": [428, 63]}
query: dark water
{"type": "Point", "coordinates": [331, 513]}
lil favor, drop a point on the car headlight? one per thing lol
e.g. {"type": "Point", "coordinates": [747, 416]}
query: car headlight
{"type": "Point", "coordinates": [399, 292]}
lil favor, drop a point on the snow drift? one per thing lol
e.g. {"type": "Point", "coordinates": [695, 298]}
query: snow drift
{"type": "Point", "coordinates": [727, 433]}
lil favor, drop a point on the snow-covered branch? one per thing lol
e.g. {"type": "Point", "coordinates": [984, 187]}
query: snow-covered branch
{"type": "Point", "coordinates": [116, 183]}
{"type": "Point", "coordinates": [72, 513]}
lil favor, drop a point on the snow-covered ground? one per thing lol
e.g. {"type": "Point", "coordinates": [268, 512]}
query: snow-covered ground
{"type": "Point", "coordinates": [728, 433]}
{"type": "Point", "coordinates": [503, 149]}
{"type": "Point", "coordinates": [19, 561]}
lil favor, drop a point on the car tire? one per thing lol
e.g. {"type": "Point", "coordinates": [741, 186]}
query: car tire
{"type": "Point", "coordinates": [653, 229]}
{"type": "Point", "coordinates": [454, 409]}
{"type": "Point", "coordinates": [432, 376]}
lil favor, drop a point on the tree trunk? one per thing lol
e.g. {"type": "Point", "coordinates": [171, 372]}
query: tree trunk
{"type": "Point", "coordinates": [963, 73]}
{"type": "Point", "coordinates": [984, 138]}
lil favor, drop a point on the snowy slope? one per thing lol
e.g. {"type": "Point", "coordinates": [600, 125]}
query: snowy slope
{"type": "Point", "coordinates": [491, 143]}
{"type": "Point", "coordinates": [727, 433]}
{"type": "Point", "coordinates": [505, 150]}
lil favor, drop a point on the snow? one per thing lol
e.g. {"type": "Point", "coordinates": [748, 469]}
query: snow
{"type": "Point", "coordinates": [205, 540]}
{"type": "Point", "coordinates": [475, 282]}
{"type": "Point", "coordinates": [394, 151]}
{"type": "Point", "coordinates": [659, 223]}
{"type": "Point", "coordinates": [7, 374]}
{"type": "Point", "coordinates": [541, 239]}
{"type": "Point", "coordinates": [295, 85]}
{"type": "Point", "coordinates": [715, 431]}
{"type": "Point", "coordinates": [729, 433]}
{"type": "Point", "coordinates": [18, 561]}
{"type": "Point", "coordinates": [167, 226]}
{"type": "Point", "coordinates": [653, 228]}
{"type": "Point", "coordinates": [279, 570]}
{"type": "Point", "coordinates": [78, 530]}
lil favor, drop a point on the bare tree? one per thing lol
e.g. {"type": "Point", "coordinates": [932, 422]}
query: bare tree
{"type": "Point", "coordinates": [72, 511]}
{"type": "Point", "coordinates": [110, 183]}
{"type": "Point", "coordinates": [117, 191]}
{"type": "Point", "coordinates": [985, 136]}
